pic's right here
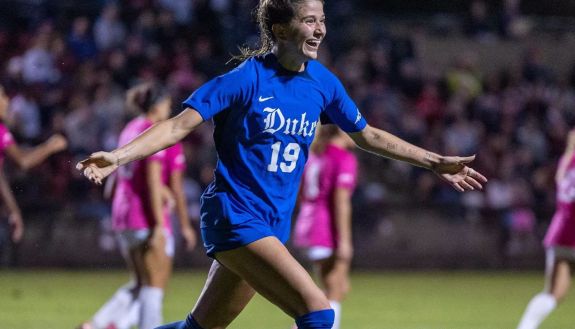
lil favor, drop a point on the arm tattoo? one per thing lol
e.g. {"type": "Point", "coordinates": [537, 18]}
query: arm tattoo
{"type": "Point", "coordinates": [128, 150]}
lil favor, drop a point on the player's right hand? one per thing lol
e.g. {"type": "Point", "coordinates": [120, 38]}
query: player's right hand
{"type": "Point", "coordinates": [98, 166]}
{"type": "Point", "coordinates": [57, 142]}
{"type": "Point", "coordinates": [189, 237]}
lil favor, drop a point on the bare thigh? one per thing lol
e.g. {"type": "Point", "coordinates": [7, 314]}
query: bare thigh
{"type": "Point", "coordinates": [223, 298]}
{"type": "Point", "coordinates": [268, 267]}
{"type": "Point", "coordinates": [557, 275]}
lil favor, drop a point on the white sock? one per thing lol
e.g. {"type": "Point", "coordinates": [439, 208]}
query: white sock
{"type": "Point", "coordinates": [150, 307]}
{"type": "Point", "coordinates": [538, 309]}
{"type": "Point", "coordinates": [114, 308]}
{"type": "Point", "coordinates": [336, 306]}
{"type": "Point", "coordinates": [131, 318]}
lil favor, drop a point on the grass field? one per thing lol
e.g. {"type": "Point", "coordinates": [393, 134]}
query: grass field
{"type": "Point", "coordinates": [423, 300]}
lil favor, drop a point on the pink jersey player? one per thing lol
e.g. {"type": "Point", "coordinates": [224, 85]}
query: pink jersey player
{"type": "Point", "coordinates": [559, 244]}
{"type": "Point", "coordinates": [24, 159]}
{"type": "Point", "coordinates": [131, 208]}
{"type": "Point", "coordinates": [6, 140]}
{"type": "Point", "coordinates": [174, 160]}
{"type": "Point", "coordinates": [335, 167]}
{"type": "Point", "coordinates": [561, 232]}
{"type": "Point", "coordinates": [141, 191]}
{"type": "Point", "coordinates": [323, 228]}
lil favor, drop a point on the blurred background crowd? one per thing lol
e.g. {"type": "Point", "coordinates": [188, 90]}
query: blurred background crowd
{"type": "Point", "coordinates": [492, 78]}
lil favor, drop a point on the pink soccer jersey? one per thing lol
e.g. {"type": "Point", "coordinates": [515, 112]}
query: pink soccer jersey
{"type": "Point", "coordinates": [175, 160]}
{"type": "Point", "coordinates": [323, 173]}
{"type": "Point", "coordinates": [561, 232]}
{"type": "Point", "coordinates": [6, 140]}
{"type": "Point", "coordinates": [131, 208]}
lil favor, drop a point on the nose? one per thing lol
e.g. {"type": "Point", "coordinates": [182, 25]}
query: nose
{"type": "Point", "coordinates": [319, 30]}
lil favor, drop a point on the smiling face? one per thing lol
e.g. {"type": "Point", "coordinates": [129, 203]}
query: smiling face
{"type": "Point", "coordinates": [300, 38]}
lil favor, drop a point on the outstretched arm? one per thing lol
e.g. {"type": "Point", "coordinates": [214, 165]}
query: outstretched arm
{"type": "Point", "coordinates": [160, 136]}
{"type": "Point", "coordinates": [26, 159]}
{"type": "Point", "coordinates": [452, 169]}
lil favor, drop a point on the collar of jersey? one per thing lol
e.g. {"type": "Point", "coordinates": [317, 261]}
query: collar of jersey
{"type": "Point", "coordinates": [282, 71]}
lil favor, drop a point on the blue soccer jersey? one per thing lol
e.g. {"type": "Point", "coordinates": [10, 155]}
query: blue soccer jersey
{"type": "Point", "coordinates": [265, 119]}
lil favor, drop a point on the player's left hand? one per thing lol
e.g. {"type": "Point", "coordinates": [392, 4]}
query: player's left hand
{"type": "Point", "coordinates": [454, 170]}
{"type": "Point", "coordinates": [189, 237]}
{"type": "Point", "coordinates": [15, 220]}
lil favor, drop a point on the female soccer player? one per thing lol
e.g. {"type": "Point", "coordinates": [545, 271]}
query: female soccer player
{"type": "Point", "coordinates": [25, 159]}
{"type": "Point", "coordinates": [323, 226]}
{"type": "Point", "coordinates": [265, 113]}
{"type": "Point", "coordinates": [559, 243]}
{"type": "Point", "coordinates": [139, 216]}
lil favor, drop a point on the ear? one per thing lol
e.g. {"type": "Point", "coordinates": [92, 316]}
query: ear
{"type": "Point", "coordinates": [279, 31]}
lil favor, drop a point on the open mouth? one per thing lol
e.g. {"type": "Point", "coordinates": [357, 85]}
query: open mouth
{"type": "Point", "coordinates": [313, 43]}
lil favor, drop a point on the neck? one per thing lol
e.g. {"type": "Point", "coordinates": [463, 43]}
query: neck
{"type": "Point", "coordinates": [342, 141]}
{"type": "Point", "coordinates": [150, 116]}
{"type": "Point", "coordinates": [288, 62]}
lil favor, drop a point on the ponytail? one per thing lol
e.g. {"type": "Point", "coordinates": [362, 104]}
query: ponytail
{"type": "Point", "coordinates": [268, 13]}
{"type": "Point", "coordinates": [142, 98]}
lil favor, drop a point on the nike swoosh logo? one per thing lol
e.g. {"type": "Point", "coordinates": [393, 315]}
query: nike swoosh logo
{"type": "Point", "coordinates": [261, 99]}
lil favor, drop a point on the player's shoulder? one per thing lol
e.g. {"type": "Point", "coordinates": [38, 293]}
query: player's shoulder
{"type": "Point", "coordinates": [5, 135]}
{"type": "Point", "coordinates": [324, 76]}
{"type": "Point", "coordinates": [248, 70]}
{"type": "Point", "coordinates": [340, 154]}
{"type": "Point", "coordinates": [318, 70]}
{"type": "Point", "coordinates": [136, 126]}
{"type": "Point", "coordinates": [252, 64]}
{"type": "Point", "coordinates": [137, 123]}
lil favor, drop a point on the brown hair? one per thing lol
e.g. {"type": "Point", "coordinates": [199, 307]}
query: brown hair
{"type": "Point", "coordinates": [268, 13]}
{"type": "Point", "coordinates": [142, 97]}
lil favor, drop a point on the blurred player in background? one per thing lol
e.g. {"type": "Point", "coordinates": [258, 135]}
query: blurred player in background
{"type": "Point", "coordinates": [559, 243]}
{"type": "Point", "coordinates": [265, 113]}
{"type": "Point", "coordinates": [173, 177]}
{"type": "Point", "coordinates": [323, 226]}
{"type": "Point", "coordinates": [25, 159]}
{"type": "Point", "coordinates": [140, 216]}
